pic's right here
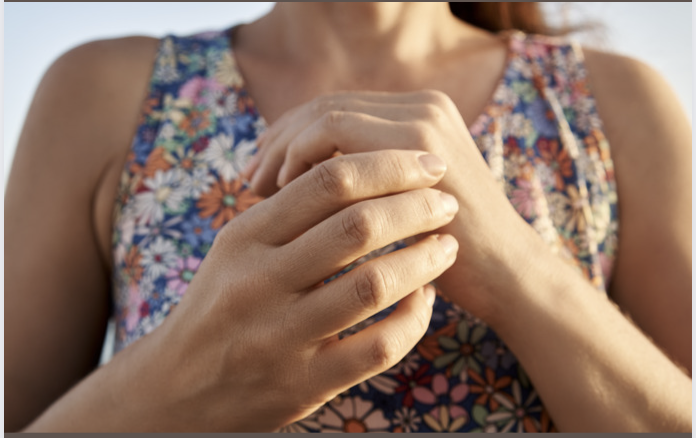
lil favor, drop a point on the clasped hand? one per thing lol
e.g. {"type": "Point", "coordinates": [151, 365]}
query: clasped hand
{"type": "Point", "coordinates": [495, 240]}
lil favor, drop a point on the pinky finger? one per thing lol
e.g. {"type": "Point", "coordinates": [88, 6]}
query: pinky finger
{"type": "Point", "coordinates": [352, 360]}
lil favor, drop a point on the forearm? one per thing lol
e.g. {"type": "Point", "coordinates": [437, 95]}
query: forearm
{"type": "Point", "coordinates": [591, 366]}
{"type": "Point", "coordinates": [114, 397]}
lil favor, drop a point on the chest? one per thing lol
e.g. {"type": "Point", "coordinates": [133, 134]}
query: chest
{"type": "Point", "coordinates": [469, 79]}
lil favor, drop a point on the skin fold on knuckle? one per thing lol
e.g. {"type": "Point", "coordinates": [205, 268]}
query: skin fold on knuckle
{"type": "Point", "coordinates": [332, 120]}
{"type": "Point", "coordinates": [335, 180]}
{"type": "Point", "coordinates": [371, 288]}
{"type": "Point", "coordinates": [365, 226]}
{"type": "Point", "coordinates": [384, 352]}
{"type": "Point", "coordinates": [421, 135]}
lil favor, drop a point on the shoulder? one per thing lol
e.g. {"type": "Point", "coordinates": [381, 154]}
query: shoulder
{"type": "Point", "coordinates": [87, 104]}
{"type": "Point", "coordinates": [650, 139]}
{"type": "Point", "coordinates": [79, 126]}
{"type": "Point", "coordinates": [647, 128]}
{"type": "Point", "coordinates": [103, 62]}
{"type": "Point", "coordinates": [92, 71]}
{"type": "Point", "coordinates": [636, 103]}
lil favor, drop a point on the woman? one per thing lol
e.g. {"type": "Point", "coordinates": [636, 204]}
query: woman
{"type": "Point", "coordinates": [378, 127]}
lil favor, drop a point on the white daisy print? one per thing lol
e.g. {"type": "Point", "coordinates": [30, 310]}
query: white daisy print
{"type": "Point", "coordinates": [198, 182]}
{"type": "Point", "coordinates": [352, 415]}
{"type": "Point", "coordinates": [159, 257]}
{"type": "Point", "coordinates": [165, 190]}
{"type": "Point", "coordinates": [407, 419]}
{"type": "Point", "coordinates": [227, 159]}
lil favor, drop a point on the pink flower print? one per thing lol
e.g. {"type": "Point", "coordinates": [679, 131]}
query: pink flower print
{"type": "Point", "coordinates": [135, 301]}
{"type": "Point", "coordinates": [201, 91]}
{"type": "Point", "coordinates": [352, 414]}
{"type": "Point", "coordinates": [410, 381]}
{"type": "Point", "coordinates": [179, 277]}
{"type": "Point", "coordinates": [442, 394]}
{"type": "Point", "coordinates": [527, 197]}
{"type": "Point", "coordinates": [440, 420]}
{"type": "Point", "coordinates": [606, 264]}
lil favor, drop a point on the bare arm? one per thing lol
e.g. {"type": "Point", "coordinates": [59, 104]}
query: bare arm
{"type": "Point", "coordinates": [223, 360]}
{"type": "Point", "coordinates": [593, 368]}
{"type": "Point", "coordinates": [651, 147]}
{"type": "Point", "coordinates": [57, 215]}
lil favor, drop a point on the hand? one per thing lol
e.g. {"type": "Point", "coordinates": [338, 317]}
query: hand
{"type": "Point", "coordinates": [495, 240]}
{"type": "Point", "coordinates": [253, 346]}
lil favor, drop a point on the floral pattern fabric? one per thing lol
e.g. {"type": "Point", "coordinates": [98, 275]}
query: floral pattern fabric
{"type": "Point", "coordinates": [540, 135]}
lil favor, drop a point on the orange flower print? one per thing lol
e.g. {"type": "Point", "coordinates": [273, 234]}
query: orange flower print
{"type": "Point", "coordinates": [156, 161]}
{"type": "Point", "coordinates": [545, 425]}
{"type": "Point", "coordinates": [557, 158]}
{"type": "Point", "coordinates": [224, 201]}
{"type": "Point", "coordinates": [132, 268]}
{"type": "Point", "coordinates": [147, 109]}
{"type": "Point", "coordinates": [487, 388]}
{"type": "Point", "coordinates": [429, 347]}
{"type": "Point", "coordinates": [195, 122]}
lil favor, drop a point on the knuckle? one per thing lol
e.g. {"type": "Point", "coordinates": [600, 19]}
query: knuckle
{"type": "Point", "coordinates": [435, 97]}
{"type": "Point", "coordinates": [359, 225]}
{"type": "Point", "coordinates": [335, 179]}
{"type": "Point", "coordinates": [421, 135]}
{"type": "Point", "coordinates": [228, 236]}
{"type": "Point", "coordinates": [320, 105]}
{"type": "Point", "coordinates": [384, 352]}
{"type": "Point", "coordinates": [432, 111]}
{"type": "Point", "coordinates": [371, 288]}
{"type": "Point", "coordinates": [332, 119]}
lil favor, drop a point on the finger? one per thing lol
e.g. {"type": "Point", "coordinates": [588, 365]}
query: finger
{"type": "Point", "coordinates": [346, 132]}
{"type": "Point", "coordinates": [390, 106]}
{"type": "Point", "coordinates": [372, 287]}
{"type": "Point", "coordinates": [368, 102]}
{"type": "Point", "coordinates": [342, 364]}
{"type": "Point", "coordinates": [361, 229]}
{"type": "Point", "coordinates": [334, 185]}
{"type": "Point", "coordinates": [283, 132]}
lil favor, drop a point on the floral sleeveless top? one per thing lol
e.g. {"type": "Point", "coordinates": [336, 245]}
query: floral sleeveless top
{"type": "Point", "coordinates": [540, 135]}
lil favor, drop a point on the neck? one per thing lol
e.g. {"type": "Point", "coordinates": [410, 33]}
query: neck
{"type": "Point", "coordinates": [341, 33]}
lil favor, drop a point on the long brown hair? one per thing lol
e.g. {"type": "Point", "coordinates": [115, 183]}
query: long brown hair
{"type": "Point", "coordinates": [497, 16]}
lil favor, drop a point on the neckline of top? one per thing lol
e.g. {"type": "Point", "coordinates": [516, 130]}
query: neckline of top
{"type": "Point", "coordinates": [513, 48]}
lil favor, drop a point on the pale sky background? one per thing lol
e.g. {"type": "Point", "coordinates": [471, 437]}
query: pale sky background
{"type": "Point", "coordinates": [35, 34]}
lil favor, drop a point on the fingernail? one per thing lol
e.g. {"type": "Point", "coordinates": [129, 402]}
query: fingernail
{"type": "Point", "coordinates": [432, 164]}
{"type": "Point", "coordinates": [449, 243]}
{"type": "Point", "coordinates": [429, 292]}
{"type": "Point", "coordinates": [449, 202]}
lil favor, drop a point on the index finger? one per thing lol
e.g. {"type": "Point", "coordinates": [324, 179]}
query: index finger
{"type": "Point", "coordinates": [334, 185]}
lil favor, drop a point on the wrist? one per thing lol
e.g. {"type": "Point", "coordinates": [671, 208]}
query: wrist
{"type": "Point", "coordinates": [524, 275]}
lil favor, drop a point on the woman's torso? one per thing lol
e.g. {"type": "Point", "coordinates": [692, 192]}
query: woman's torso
{"type": "Point", "coordinates": [539, 133]}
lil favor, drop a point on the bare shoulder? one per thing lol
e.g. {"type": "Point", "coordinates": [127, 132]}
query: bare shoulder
{"type": "Point", "coordinates": [633, 98]}
{"type": "Point", "coordinates": [650, 140]}
{"type": "Point", "coordinates": [98, 87]}
{"type": "Point", "coordinates": [89, 100]}
{"type": "Point", "coordinates": [58, 204]}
